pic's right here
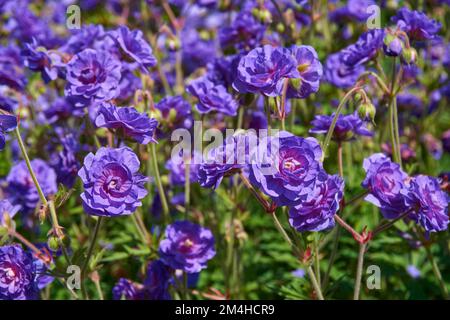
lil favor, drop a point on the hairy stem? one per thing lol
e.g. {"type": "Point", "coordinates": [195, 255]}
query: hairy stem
{"type": "Point", "coordinates": [362, 249]}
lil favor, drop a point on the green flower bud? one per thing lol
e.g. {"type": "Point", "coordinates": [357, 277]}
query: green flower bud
{"type": "Point", "coordinates": [3, 231]}
{"type": "Point", "coordinates": [281, 28]}
{"type": "Point", "coordinates": [409, 55]}
{"type": "Point", "coordinates": [265, 16]}
{"type": "Point", "coordinates": [53, 243]}
{"type": "Point", "coordinates": [367, 111]}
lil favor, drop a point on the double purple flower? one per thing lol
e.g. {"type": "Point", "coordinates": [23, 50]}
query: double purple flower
{"type": "Point", "coordinates": [187, 246]}
{"type": "Point", "coordinates": [92, 77]}
{"type": "Point", "coordinates": [112, 184]}
{"type": "Point", "coordinates": [347, 126]}
{"type": "Point", "coordinates": [264, 69]}
{"type": "Point", "coordinates": [212, 97]}
{"type": "Point", "coordinates": [416, 24]}
{"type": "Point", "coordinates": [127, 121]}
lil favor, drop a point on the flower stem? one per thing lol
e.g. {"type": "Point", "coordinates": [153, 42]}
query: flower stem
{"type": "Point", "coordinates": [336, 115]}
{"type": "Point", "coordinates": [315, 283]}
{"type": "Point", "coordinates": [362, 249]}
{"type": "Point", "coordinates": [187, 187]}
{"type": "Point", "coordinates": [89, 254]}
{"type": "Point", "coordinates": [159, 184]}
{"type": "Point", "coordinates": [30, 169]}
{"type": "Point", "coordinates": [393, 119]}
{"type": "Point", "coordinates": [317, 257]}
{"type": "Point", "coordinates": [437, 273]}
{"type": "Point", "coordinates": [340, 165]}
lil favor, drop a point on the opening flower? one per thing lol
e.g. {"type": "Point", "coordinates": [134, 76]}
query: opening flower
{"type": "Point", "coordinates": [112, 184]}
{"type": "Point", "coordinates": [416, 24]}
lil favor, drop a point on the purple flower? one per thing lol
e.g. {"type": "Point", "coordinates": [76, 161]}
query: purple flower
{"type": "Point", "coordinates": [316, 212]}
{"type": "Point", "coordinates": [39, 61]}
{"type": "Point", "coordinates": [157, 282]}
{"type": "Point", "coordinates": [112, 184]}
{"type": "Point", "coordinates": [264, 69]}
{"type": "Point", "coordinates": [223, 161]}
{"type": "Point", "coordinates": [416, 24]}
{"type": "Point", "coordinates": [364, 49]}
{"type": "Point", "coordinates": [212, 97]}
{"type": "Point", "coordinates": [347, 126]}
{"type": "Point", "coordinates": [310, 70]}
{"type": "Point", "coordinates": [177, 170]}
{"type": "Point", "coordinates": [429, 203]}
{"type": "Point", "coordinates": [92, 77]}
{"type": "Point", "coordinates": [187, 246]}
{"type": "Point", "coordinates": [197, 52]}
{"type": "Point", "coordinates": [88, 37]}
{"type": "Point", "coordinates": [413, 271]}
{"type": "Point", "coordinates": [339, 74]}
{"type": "Point", "coordinates": [176, 112]}
{"type": "Point", "coordinates": [392, 45]}
{"type": "Point", "coordinates": [357, 9]}
{"type": "Point", "coordinates": [127, 121]}
{"type": "Point", "coordinates": [125, 289]}
{"type": "Point", "coordinates": [11, 70]}
{"type": "Point", "coordinates": [134, 47]}
{"type": "Point", "coordinates": [286, 167]}
{"type": "Point", "coordinates": [21, 187]}
{"type": "Point", "coordinates": [244, 33]}
{"type": "Point", "coordinates": [386, 184]}
{"type": "Point", "coordinates": [7, 208]}
{"type": "Point", "coordinates": [8, 122]}
{"type": "Point", "coordinates": [64, 161]}
{"type": "Point", "coordinates": [16, 274]}
{"type": "Point", "coordinates": [298, 273]}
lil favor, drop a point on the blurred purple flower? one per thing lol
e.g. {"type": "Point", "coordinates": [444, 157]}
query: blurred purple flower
{"type": "Point", "coordinates": [125, 289]}
{"type": "Point", "coordinates": [364, 49]}
{"type": "Point", "coordinates": [347, 126]}
{"type": "Point", "coordinates": [7, 208]}
{"type": "Point", "coordinates": [134, 47]}
{"type": "Point", "coordinates": [156, 284]}
{"type": "Point", "coordinates": [187, 246]}
{"type": "Point", "coordinates": [416, 24]}
{"type": "Point", "coordinates": [339, 74]}
{"type": "Point", "coordinates": [127, 122]}
{"type": "Point", "coordinates": [212, 97]}
{"type": "Point", "coordinates": [175, 112]}
{"type": "Point", "coordinates": [11, 68]}
{"type": "Point", "coordinates": [36, 59]}
{"type": "Point", "coordinates": [21, 187]}
{"type": "Point", "coordinates": [413, 271]}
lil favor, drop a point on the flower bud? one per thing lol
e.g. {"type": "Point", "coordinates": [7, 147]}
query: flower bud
{"type": "Point", "coordinates": [409, 55]}
{"type": "Point", "coordinates": [53, 243]}
{"type": "Point", "coordinates": [265, 16]}
{"type": "Point", "coordinates": [3, 231]}
{"type": "Point", "coordinates": [172, 44]}
{"type": "Point", "coordinates": [367, 111]}
{"type": "Point", "coordinates": [392, 46]}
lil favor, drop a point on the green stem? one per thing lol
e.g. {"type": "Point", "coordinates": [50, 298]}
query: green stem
{"type": "Point", "coordinates": [437, 273]}
{"type": "Point", "coordinates": [315, 283]}
{"type": "Point", "coordinates": [159, 184]}
{"type": "Point", "coordinates": [89, 254]}
{"type": "Point", "coordinates": [393, 118]}
{"type": "Point", "coordinates": [362, 249]}
{"type": "Point", "coordinates": [337, 235]}
{"type": "Point", "coordinates": [317, 257]}
{"type": "Point", "coordinates": [30, 169]}
{"type": "Point", "coordinates": [187, 186]}
{"type": "Point", "coordinates": [336, 115]}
